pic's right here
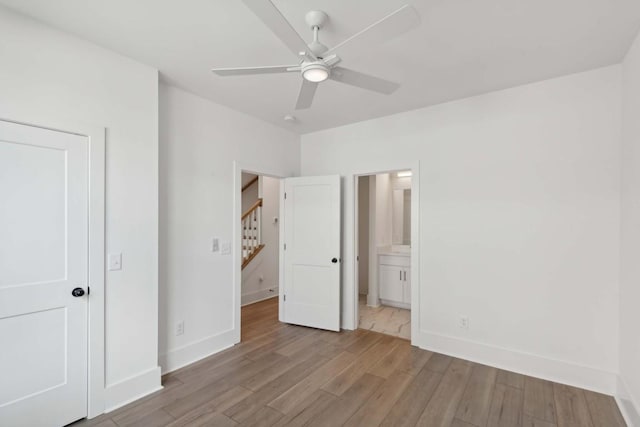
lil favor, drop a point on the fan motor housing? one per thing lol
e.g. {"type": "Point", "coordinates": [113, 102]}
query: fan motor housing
{"type": "Point", "coordinates": [315, 71]}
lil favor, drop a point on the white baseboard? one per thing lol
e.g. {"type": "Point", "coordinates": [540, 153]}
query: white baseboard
{"type": "Point", "coordinates": [187, 354]}
{"type": "Point", "coordinates": [260, 295]}
{"type": "Point", "coordinates": [630, 410]}
{"type": "Point", "coordinates": [395, 304]}
{"type": "Point", "coordinates": [524, 363]}
{"type": "Point", "coordinates": [133, 388]}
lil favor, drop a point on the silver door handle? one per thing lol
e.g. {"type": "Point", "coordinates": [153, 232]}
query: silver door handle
{"type": "Point", "coordinates": [405, 276]}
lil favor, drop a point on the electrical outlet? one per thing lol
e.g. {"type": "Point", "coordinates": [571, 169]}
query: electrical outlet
{"type": "Point", "coordinates": [463, 322]}
{"type": "Point", "coordinates": [180, 328]}
{"type": "Point", "coordinates": [215, 245]}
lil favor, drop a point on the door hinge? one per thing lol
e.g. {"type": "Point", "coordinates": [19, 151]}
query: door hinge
{"type": "Point", "coordinates": [285, 196]}
{"type": "Point", "coordinates": [285, 246]}
{"type": "Point", "coordinates": [285, 297]}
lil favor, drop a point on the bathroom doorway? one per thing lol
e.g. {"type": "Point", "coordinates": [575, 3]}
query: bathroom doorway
{"type": "Point", "coordinates": [384, 252]}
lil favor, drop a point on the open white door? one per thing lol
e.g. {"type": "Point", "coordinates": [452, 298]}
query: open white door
{"type": "Point", "coordinates": [43, 258]}
{"type": "Point", "coordinates": [311, 255]}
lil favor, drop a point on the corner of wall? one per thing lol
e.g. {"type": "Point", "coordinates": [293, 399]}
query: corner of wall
{"type": "Point", "coordinates": [132, 388]}
{"type": "Point", "coordinates": [630, 410]}
{"type": "Point", "coordinates": [192, 352]}
{"type": "Point", "coordinates": [628, 379]}
{"type": "Point", "coordinates": [524, 363]}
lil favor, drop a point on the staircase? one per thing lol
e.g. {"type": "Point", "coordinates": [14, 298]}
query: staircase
{"type": "Point", "coordinates": [251, 236]}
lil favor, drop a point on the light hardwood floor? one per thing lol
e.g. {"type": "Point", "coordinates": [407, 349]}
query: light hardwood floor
{"type": "Point", "coordinates": [283, 375]}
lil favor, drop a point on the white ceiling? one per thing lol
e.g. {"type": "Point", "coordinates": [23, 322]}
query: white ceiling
{"type": "Point", "coordinates": [462, 48]}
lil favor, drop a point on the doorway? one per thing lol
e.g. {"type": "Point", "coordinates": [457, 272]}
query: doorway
{"type": "Point", "coordinates": [384, 224]}
{"type": "Point", "coordinates": [260, 241]}
{"type": "Point", "coordinates": [313, 213]}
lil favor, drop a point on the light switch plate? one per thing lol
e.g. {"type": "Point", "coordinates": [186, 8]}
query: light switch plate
{"type": "Point", "coordinates": [226, 248]}
{"type": "Point", "coordinates": [215, 245]}
{"type": "Point", "coordinates": [180, 328]}
{"type": "Point", "coordinates": [115, 262]}
{"type": "Point", "coordinates": [463, 322]}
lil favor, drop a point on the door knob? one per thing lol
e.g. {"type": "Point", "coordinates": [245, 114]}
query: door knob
{"type": "Point", "coordinates": [77, 292]}
{"type": "Point", "coordinates": [334, 260]}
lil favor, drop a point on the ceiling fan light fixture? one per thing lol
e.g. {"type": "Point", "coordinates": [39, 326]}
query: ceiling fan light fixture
{"type": "Point", "coordinates": [315, 73]}
{"type": "Point", "coordinates": [317, 63]}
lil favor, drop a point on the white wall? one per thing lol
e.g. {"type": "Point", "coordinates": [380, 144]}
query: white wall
{"type": "Point", "coordinates": [250, 194]}
{"type": "Point", "coordinates": [260, 276]}
{"type": "Point", "coordinates": [48, 75]}
{"type": "Point", "coordinates": [630, 277]}
{"type": "Point", "coordinates": [384, 205]}
{"type": "Point", "coordinates": [380, 232]}
{"type": "Point", "coordinates": [199, 141]}
{"type": "Point", "coordinates": [519, 221]}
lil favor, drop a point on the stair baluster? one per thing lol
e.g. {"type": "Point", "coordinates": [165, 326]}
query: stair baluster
{"type": "Point", "coordinates": [251, 233]}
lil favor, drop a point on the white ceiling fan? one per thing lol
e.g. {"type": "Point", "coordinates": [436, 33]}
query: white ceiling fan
{"type": "Point", "coordinates": [317, 62]}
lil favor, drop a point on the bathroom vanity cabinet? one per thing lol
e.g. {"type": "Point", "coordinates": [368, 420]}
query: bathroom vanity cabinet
{"type": "Point", "coordinates": [394, 279]}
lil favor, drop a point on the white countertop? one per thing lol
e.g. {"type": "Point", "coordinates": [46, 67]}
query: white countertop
{"type": "Point", "coordinates": [395, 250]}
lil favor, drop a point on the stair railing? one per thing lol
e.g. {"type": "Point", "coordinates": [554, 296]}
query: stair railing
{"type": "Point", "coordinates": [251, 232]}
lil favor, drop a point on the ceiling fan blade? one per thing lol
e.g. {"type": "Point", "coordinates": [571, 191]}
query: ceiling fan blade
{"type": "Point", "coordinates": [392, 25]}
{"type": "Point", "coordinates": [364, 81]}
{"type": "Point", "coordinates": [278, 24]}
{"type": "Point", "coordinates": [305, 97]}
{"type": "Point", "coordinates": [244, 71]}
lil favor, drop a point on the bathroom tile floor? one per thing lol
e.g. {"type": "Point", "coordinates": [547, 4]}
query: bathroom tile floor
{"type": "Point", "coordinates": [384, 319]}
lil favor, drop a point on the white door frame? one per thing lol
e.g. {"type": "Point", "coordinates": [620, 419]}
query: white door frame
{"type": "Point", "coordinates": [414, 167]}
{"type": "Point", "coordinates": [236, 246]}
{"type": "Point", "coordinates": [96, 273]}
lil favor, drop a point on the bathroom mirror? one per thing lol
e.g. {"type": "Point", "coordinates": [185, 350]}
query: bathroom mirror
{"type": "Point", "coordinates": [401, 216]}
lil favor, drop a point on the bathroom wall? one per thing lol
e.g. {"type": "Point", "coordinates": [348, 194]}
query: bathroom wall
{"type": "Point", "coordinates": [363, 234]}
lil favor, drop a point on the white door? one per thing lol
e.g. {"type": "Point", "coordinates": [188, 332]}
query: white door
{"type": "Point", "coordinates": [43, 257]}
{"type": "Point", "coordinates": [311, 255]}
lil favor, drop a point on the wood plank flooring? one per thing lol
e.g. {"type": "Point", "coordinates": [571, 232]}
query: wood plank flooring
{"type": "Point", "coordinates": [283, 375]}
